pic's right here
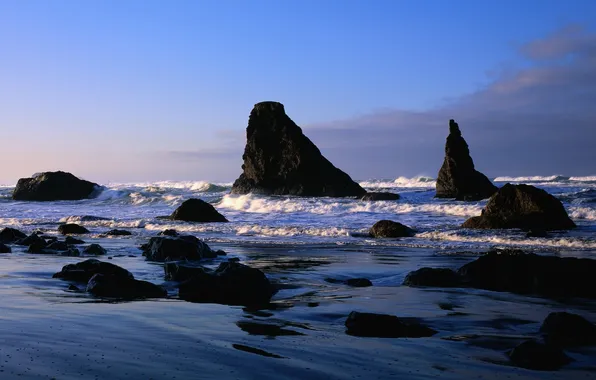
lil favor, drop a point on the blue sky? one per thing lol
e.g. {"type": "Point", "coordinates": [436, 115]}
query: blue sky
{"type": "Point", "coordinates": [148, 90]}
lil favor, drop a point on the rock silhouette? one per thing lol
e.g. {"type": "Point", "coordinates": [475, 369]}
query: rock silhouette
{"type": "Point", "coordinates": [53, 186]}
{"type": "Point", "coordinates": [197, 210]}
{"type": "Point", "coordinates": [458, 178]}
{"type": "Point", "coordinates": [280, 159]}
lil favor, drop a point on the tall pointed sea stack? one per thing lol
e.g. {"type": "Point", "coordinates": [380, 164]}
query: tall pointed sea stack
{"type": "Point", "coordinates": [457, 178]}
{"type": "Point", "coordinates": [280, 159]}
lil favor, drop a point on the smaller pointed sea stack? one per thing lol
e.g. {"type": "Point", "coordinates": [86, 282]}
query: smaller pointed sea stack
{"type": "Point", "coordinates": [280, 159]}
{"type": "Point", "coordinates": [457, 178]}
{"type": "Point", "coordinates": [54, 186]}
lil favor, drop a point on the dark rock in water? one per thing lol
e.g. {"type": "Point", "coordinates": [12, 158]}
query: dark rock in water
{"type": "Point", "coordinates": [437, 277]}
{"type": "Point", "coordinates": [94, 249]}
{"type": "Point", "coordinates": [517, 272]}
{"type": "Point", "coordinates": [173, 248]}
{"type": "Point", "coordinates": [83, 271]}
{"type": "Point", "coordinates": [4, 248]}
{"type": "Point", "coordinates": [280, 159]}
{"type": "Point", "coordinates": [197, 210]}
{"type": "Point", "coordinates": [390, 229]}
{"type": "Point", "coordinates": [73, 241]}
{"type": "Point", "coordinates": [32, 239]}
{"type": "Point", "coordinates": [58, 246]}
{"type": "Point", "coordinates": [384, 326]}
{"type": "Point", "coordinates": [84, 218]}
{"type": "Point", "coordinates": [10, 235]}
{"type": "Point", "coordinates": [73, 288]}
{"type": "Point", "coordinates": [220, 252]}
{"type": "Point", "coordinates": [53, 186]}
{"type": "Point", "coordinates": [231, 283]}
{"type": "Point", "coordinates": [458, 178]}
{"type": "Point", "coordinates": [39, 247]}
{"type": "Point", "coordinates": [183, 270]}
{"type": "Point", "coordinates": [536, 234]}
{"type": "Point", "coordinates": [380, 197]}
{"type": "Point", "coordinates": [567, 330]}
{"type": "Point", "coordinates": [49, 239]}
{"type": "Point", "coordinates": [538, 356]}
{"type": "Point", "coordinates": [102, 285]}
{"type": "Point", "coordinates": [118, 233]}
{"type": "Point", "coordinates": [71, 228]}
{"type": "Point", "coordinates": [354, 282]}
{"type": "Point", "coordinates": [522, 206]}
{"type": "Point", "coordinates": [169, 233]}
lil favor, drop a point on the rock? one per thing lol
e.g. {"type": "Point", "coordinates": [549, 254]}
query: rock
{"type": "Point", "coordinates": [522, 206]}
{"type": "Point", "coordinates": [517, 272]}
{"type": "Point", "coordinates": [49, 239]}
{"type": "Point", "coordinates": [197, 210]}
{"type": "Point", "coordinates": [536, 234]}
{"type": "Point", "coordinates": [71, 252]}
{"type": "Point", "coordinates": [102, 285]}
{"type": "Point", "coordinates": [71, 228]}
{"type": "Point", "coordinates": [173, 248]}
{"type": "Point", "coordinates": [32, 239]}
{"type": "Point", "coordinates": [183, 270]}
{"type": "Point", "coordinates": [220, 252]}
{"type": "Point", "coordinates": [538, 356]}
{"type": "Point", "coordinates": [73, 241]}
{"type": "Point", "coordinates": [4, 248]}
{"type": "Point", "coordinates": [231, 283]}
{"type": "Point", "coordinates": [94, 249]}
{"type": "Point", "coordinates": [436, 277]}
{"type": "Point", "coordinates": [73, 288]}
{"type": "Point", "coordinates": [384, 326]}
{"type": "Point", "coordinates": [58, 246]}
{"type": "Point", "coordinates": [11, 235]}
{"type": "Point", "coordinates": [54, 186]}
{"type": "Point", "coordinates": [83, 271]}
{"type": "Point", "coordinates": [39, 247]}
{"type": "Point", "coordinates": [280, 159]}
{"type": "Point", "coordinates": [380, 197]}
{"type": "Point", "coordinates": [354, 282]}
{"type": "Point", "coordinates": [567, 330]}
{"type": "Point", "coordinates": [118, 233]}
{"type": "Point", "coordinates": [458, 178]}
{"type": "Point", "coordinates": [390, 229]}
{"type": "Point", "coordinates": [169, 232]}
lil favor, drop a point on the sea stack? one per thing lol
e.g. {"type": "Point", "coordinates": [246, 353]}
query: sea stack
{"type": "Point", "coordinates": [279, 159]}
{"type": "Point", "coordinates": [457, 178]}
{"type": "Point", "coordinates": [54, 186]}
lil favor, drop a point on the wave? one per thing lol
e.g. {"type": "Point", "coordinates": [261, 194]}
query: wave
{"type": "Point", "coordinates": [552, 178]}
{"type": "Point", "coordinates": [254, 204]}
{"type": "Point", "coordinates": [591, 178]}
{"type": "Point", "coordinates": [585, 213]}
{"type": "Point", "coordinates": [403, 182]}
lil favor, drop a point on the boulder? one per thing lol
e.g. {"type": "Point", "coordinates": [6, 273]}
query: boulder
{"type": "Point", "coordinates": [390, 229]}
{"type": "Point", "coordinates": [231, 283]}
{"type": "Point", "coordinates": [118, 233]}
{"type": "Point", "coordinates": [517, 272]}
{"type": "Point", "coordinates": [384, 326]}
{"type": "Point", "coordinates": [102, 285]}
{"type": "Point", "coordinates": [54, 186]}
{"type": "Point", "coordinates": [32, 239]}
{"type": "Point", "coordinates": [83, 271]}
{"type": "Point", "coordinates": [380, 197]}
{"type": "Point", "coordinates": [4, 248]}
{"type": "Point", "coordinates": [58, 246]}
{"type": "Point", "coordinates": [458, 178]}
{"type": "Point", "coordinates": [436, 277]}
{"type": "Point", "coordinates": [183, 270]}
{"type": "Point", "coordinates": [11, 235]}
{"type": "Point", "coordinates": [174, 248]}
{"type": "Point", "coordinates": [94, 249]}
{"type": "Point", "coordinates": [567, 330]}
{"type": "Point", "coordinates": [538, 356]}
{"type": "Point", "coordinates": [73, 241]}
{"type": "Point", "coordinates": [522, 206]}
{"type": "Point", "coordinates": [280, 159]}
{"type": "Point", "coordinates": [169, 232]}
{"type": "Point", "coordinates": [72, 228]}
{"type": "Point", "coordinates": [197, 210]}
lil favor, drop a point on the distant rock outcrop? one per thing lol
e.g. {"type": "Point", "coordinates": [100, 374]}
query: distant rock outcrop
{"type": "Point", "coordinates": [522, 206]}
{"type": "Point", "coordinates": [457, 178]}
{"type": "Point", "coordinates": [280, 159]}
{"type": "Point", "coordinates": [197, 210]}
{"type": "Point", "coordinates": [53, 186]}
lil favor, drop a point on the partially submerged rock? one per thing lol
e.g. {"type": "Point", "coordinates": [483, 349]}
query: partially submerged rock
{"type": "Point", "coordinates": [11, 235]}
{"type": "Point", "coordinates": [183, 270]}
{"type": "Point", "coordinates": [280, 159]}
{"type": "Point", "coordinates": [567, 330]}
{"type": "Point", "coordinates": [390, 229]}
{"type": "Point", "coordinates": [110, 286]}
{"type": "Point", "coordinates": [174, 248]}
{"type": "Point", "coordinates": [522, 206]}
{"type": "Point", "coordinates": [72, 228]}
{"type": "Point", "coordinates": [458, 178]}
{"type": "Point", "coordinates": [538, 356]}
{"type": "Point", "coordinates": [54, 186]}
{"type": "Point", "coordinates": [384, 326]}
{"type": "Point", "coordinates": [436, 277]}
{"type": "Point", "coordinates": [83, 271]}
{"type": "Point", "coordinates": [354, 282]}
{"type": "Point", "coordinates": [197, 210]}
{"type": "Point", "coordinates": [169, 232]}
{"type": "Point", "coordinates": [32, 239]}
{"type": "Point", "coordinates": [380, 196]}
{"type": "Point", "coordinates": [231, 283]}
{"type": "Point", "coordinates": [4, 248]}
{"type": "Point", "coordinates": [95, 249]}
{"type": "Point", "coordinates": [118, 233]}
{"type": "Point", "coordinates": [73, 241]}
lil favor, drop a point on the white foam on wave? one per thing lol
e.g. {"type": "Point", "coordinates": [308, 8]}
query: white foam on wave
{"type": "Point", "coordinates": [255, 204]}
{"type": "Point", "coordinates": [161, 186]}
{"type": "Point", "coordinates": [567, 242]}
{"type": "Point", "coordinates": [552, 178]}
{"type": "Point", "coordinates": [590, 178]}
{"type": "Point", "coordinates": [403, 182]}
{"type": "Point", "coordinates": [586, 213]}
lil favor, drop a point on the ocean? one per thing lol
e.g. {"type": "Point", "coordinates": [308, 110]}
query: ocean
{"type": "Point", "coordinates": [51, 332]}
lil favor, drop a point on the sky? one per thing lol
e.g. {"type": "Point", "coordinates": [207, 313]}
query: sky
{"type": "Point", "coordinates": [126, 90]}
